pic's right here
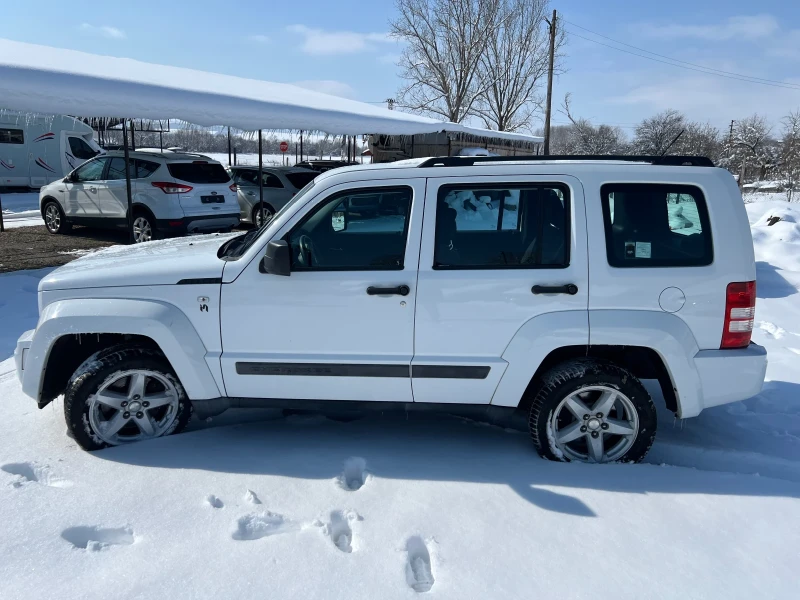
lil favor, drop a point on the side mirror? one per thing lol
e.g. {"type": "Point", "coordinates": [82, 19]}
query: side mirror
{"type": "Point", "coordinates": [277, 260]}
{"type": "Point", "coordinates": [339, 218]}
{"type": "Point", "coordinates": [69, 178]}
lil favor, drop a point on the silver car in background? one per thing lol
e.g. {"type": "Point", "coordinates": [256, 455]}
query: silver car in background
{"type": "Point", "coordinates": [280, 184]}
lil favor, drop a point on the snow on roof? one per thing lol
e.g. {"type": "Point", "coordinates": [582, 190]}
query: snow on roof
{"type": "Point", "coordinates": [41, 79]}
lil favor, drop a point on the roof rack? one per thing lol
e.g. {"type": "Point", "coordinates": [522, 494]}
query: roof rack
{"type": "Point", "coordinates": [671, 161]}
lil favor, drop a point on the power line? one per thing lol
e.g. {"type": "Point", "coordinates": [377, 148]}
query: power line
{"type": "Point", "coordinates": [682, 64]}
{"type": "Point", "coordinates": [682, 61]}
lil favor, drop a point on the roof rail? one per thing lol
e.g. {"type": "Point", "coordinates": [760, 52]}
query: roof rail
{"type": "Point", "coordinates": [671, 161]}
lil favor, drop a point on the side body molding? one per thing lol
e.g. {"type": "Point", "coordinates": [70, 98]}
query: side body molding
{"type": "Point", "coordinates": [163, 323]}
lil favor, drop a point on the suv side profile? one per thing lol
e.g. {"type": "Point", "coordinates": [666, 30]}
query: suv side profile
{"type": "Point", "coordinates": [495, 286]}
{"type": "Point", "coordinates": [279, 184]}
{"type": "Point", "coordinates": [172, 194]}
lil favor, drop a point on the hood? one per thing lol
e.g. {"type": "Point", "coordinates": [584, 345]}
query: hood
{"type": "Point", "coordinates": [164, 262]}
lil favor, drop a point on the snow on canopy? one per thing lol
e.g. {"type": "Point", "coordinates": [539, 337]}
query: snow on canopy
{"type": "Point", "coordinates": [42, 79]}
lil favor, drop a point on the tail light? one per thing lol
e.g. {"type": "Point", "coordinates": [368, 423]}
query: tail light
{"type": "Point", "coordinates": [233, 187]}
{"type": "Point", "coordinates": [172, 188]}
{"type": "Point", "coordinates": [740, 310]}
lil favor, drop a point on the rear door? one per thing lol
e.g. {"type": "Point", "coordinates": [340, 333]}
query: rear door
{"type": "Point", "coordinates": [210, 188]}
{"type": "Point", "coordinates": [496, 252]}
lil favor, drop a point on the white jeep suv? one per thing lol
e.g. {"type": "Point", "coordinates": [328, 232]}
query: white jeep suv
{"type": "Point", "coordinates": [550, 287]}
{"type": "Point", "coordinates": [171, 194]}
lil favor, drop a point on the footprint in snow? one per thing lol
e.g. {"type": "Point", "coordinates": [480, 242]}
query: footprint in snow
{"type": "Point", "coordinates": [354, 475]}
{"type": "Point", "coordinates": [94, 539]}
{"type": "Point", "coordinates": [772, 330]}
{"type": "Point", "coordinates": [419, 573]}
{"type": "Point", "coordinates": [259, 525]}
{"type": "Point", "coordinates": [32, 473]}
{"type": "Point", "coordinates": [251, 498]}
{"type": "Point", "coordinates": [214, 502]}
{"type": "Point", "coordinates": [340, 531]}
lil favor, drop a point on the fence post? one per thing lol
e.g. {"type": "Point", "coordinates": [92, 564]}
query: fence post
{"type": "Point", "coordinates": [2, 226]}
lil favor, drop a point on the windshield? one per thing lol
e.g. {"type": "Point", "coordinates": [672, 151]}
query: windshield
{"type": "Point", "coordinates": [237, 246]}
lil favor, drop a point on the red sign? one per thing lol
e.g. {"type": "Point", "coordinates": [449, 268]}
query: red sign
{"type": "Point", "coordinates": [284, 146]}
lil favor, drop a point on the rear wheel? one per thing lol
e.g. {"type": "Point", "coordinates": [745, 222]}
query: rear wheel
{"type": "Point", "coordinates": [256, 215]}
{"type": "Point", "coordinates": [124, 395]}
{"type": "Point", "coordinates": [592, 411]}
{"type": "Point", "coordinates": [54, 218]}
{"type": "Point", "coordinates": [144, 228]}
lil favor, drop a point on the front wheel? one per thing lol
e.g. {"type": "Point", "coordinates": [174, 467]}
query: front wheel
{"type": "Point", "coordinates": [123, 395]}
{"type": "Point", "coordinates": [592, 411]}
{"type": "Point", "coordinates": [54, 218]}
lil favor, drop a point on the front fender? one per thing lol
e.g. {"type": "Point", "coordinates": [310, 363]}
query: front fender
{"type": "Point", "coordinates": [165, 324]}
{"type": "Point", "coordinates": [665, 333]}
{"type": "Point", "coordinates": [537, 338]}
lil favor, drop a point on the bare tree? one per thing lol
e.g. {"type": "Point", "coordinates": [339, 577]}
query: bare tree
{"type": "Point", "coordinates": [790, 153]}
{"type": "Point", "coordinates": [751, 145]}
{"type": "Point", "coordinates": [654, 135]}
{"type": "Point", "coordinates": [445, 42]}
{"type": "Point", "coordinates": [515, 64]}
{"type": "Point", "coordinates": [584, 138]}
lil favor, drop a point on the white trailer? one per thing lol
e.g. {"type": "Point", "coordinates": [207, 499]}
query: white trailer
{"type": "Point", "coordinates": [36, 150]}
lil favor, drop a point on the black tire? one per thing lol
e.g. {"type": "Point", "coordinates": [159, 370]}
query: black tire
{"type": "Point", "coordinates": [55, 227]}
{"type": "Point", "coordinates": [255, 214]}
{"type": "Point", "coordinates": [99, 368]}
{"type": "Point", "coordinates": [567, 378]}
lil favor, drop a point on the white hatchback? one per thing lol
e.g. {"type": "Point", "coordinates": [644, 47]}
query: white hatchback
{"type": "Point", "coordinates": [172, 194]}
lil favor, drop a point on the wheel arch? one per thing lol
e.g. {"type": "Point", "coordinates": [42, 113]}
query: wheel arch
{"type": "Point", "coordinates": [43, 202]}
{"type": "Point", "coordinates": [102, 323]}
{"type": "Point", "coordinates": [641, 361]}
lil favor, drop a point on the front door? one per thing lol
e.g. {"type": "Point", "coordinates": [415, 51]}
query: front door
{"type": "Point", "coordinates": [496, 252]}
{"type": "Point", "coordinates": [341, 326]}
{"type": "Point", "coordinates": [81, 195]}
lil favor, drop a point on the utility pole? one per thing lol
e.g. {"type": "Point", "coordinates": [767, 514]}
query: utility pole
{"type": "Point", "coordinates": [261, 176]}
{"type": "Point", "coordinates": [131, 238]}
{"type": "Point", "coordinates": [730, 136]}
{"type": "Point", "coordinates": [229, 146]}
{"type": "Point", "coordinates": [546, 150]}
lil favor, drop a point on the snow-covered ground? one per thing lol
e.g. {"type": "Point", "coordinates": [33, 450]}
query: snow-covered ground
{"type": "Point", "coordinates": [256, 505]}
{"type": "Point", "coordinates": [21, 209]}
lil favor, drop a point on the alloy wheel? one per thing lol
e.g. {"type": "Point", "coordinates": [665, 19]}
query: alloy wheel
{"type": "Point", "coordinates": [133, 405]}
{"type": "Point", "coordinates": [52, 218]}
{"type": "Point", "coordinates": [142, 230]}
{"type": "Point", "coordinates": [594, 424]}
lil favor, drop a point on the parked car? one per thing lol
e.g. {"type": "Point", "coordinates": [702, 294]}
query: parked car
{"type": "Point", "coordinates": [172, 194]}
{"type": "Point", "coordinates": [280, 184]}
{"type": "Point", "coordinates": [556, 310]}
{"type": "Point", "coordinates": [35, 150]}
{"type": "Point", "coordinates": [322, 165]}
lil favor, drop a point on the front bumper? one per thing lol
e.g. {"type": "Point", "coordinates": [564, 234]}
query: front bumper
{"type": "Point", "coordinates": [198, 223]}
{"type": "Point", "coordinates": [731, 375]}
{"type": "Point", "coordinates": [21, 352]}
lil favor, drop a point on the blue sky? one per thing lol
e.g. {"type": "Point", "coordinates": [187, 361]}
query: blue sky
{"type": "Point", "coordinates": [341, 47]}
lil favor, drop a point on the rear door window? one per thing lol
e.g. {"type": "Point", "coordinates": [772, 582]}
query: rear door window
{"type": "Point", "coordinates": [502, 226]}
{"type": "Point", "coordinates": [199, 172]}
{"type": "Point", "coordinates": [656, 225]}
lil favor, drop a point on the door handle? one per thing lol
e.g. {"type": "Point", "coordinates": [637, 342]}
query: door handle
{"type": "Point", "coordinates": [569, 288]}
{"type": "Point", "coordinates": [400, 290]}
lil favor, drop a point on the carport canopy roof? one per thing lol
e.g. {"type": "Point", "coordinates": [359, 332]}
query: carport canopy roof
{"type": "Point", "coordinates": [45, 80]}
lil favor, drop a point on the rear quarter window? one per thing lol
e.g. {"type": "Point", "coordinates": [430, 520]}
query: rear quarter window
{"type": "Point", "coordinates": [300, 180]}
{"type": "Point", "coordinates": [656, 225]}
{"type": "Point", "coordinates": [199, 172]}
